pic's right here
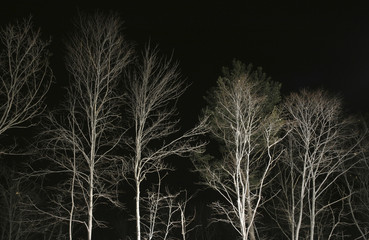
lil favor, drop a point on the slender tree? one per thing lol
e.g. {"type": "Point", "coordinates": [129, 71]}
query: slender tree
{"type": "Point", "coordinates": [81, 140]}
{"type": "Point", "coordinates": [357, 182]}
{"type": "Point", "coordinates": [186, 220]}
{"type": "Point", "coordinates": [25, 74]}
{"type": "Point", "coordinates": [245, 123]}
{"type": "Point", "coordinates": [317, 148]}
{"type": "Point", "coordinates": [153, 89]}
{"type": "Point", "coordinates": [159, 212]}
{"type": "Point", "coordinates": [25, 78]}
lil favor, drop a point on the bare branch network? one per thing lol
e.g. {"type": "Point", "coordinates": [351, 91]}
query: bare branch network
{"type": "Point", "coordinates": [276, 167]}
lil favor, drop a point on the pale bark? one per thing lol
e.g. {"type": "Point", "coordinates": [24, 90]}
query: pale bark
{"type": "Point", "coordinates": [250, 141]}
{"type": "Point", "coordinates": [319, 145]}
{"type": "Point", "coordinates": [25, 74]}
{"type": "Point", "coordinates": [357, 182]}
{"type": "Point", "coordinates": [153, 89]}
{"type": "Point", "coordinates": [81, 138]}
{"type": "Point", "coordinates": [138, 214]}
{"type": "Point", "coordinates": [159, 210]}
{"type": "Point", "coordinates": [185, 220]}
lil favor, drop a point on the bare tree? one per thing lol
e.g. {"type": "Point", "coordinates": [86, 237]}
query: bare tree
{"type": "Point", "coordinates": [357, 182]}
{"type": "Point", "coordinates": [25, 75]}
{"type": "Point", "coordinates": [186, 220]}
{"type": "Point", "coordinates": [153, 89]}
{"type": "Point", "coordinates": [159, 210]}
{"type": "Point", "coordinates": [318, 145]}
{"type": "Point", "coordinates": [25, 78]}
{"type": "Point", "coordinates": [83, 139]}
{"type": "Point", "coordinates": [163, 212]}
{"type": "Point", "coordinates": [247, 131]}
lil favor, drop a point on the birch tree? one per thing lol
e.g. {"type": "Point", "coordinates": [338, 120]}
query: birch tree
{"type": "Point", "coordinates": [159, 212]}
{"type": "Point", "coordinates": [186, 220]}
{"type": "Point", "coordinates": [357, 182]}
{"type": "Point", "coordinates": [164, 212]}
{"type": "Point", "coordinates": [358, 199]}
{"type": "Point", "coordinates": [318, 145]}
{"type": "Point", "coordinates": [82, 139]}
{"type": "Point", "coordinates": [25, 78]}
{"type": "Point", "coordinates": [245, 123]}
{"type": "Point", "coordinates": [25, 74]}
{"type": "Point", "coordinates": [153, 89]}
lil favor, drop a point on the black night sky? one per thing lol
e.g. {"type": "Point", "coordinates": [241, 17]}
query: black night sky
{"type": "Point", "coordinates": [299, 43]}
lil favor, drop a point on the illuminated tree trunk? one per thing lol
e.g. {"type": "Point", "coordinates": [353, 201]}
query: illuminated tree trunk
{"type": "Point", "coordinates": [244, 121]}
{"type": "Point", "coordinates": [153, 89]}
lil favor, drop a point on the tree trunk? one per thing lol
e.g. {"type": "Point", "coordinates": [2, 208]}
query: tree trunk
{"type": "Point", "coordinates": [312, 214]}
{"type": "Point", "coordinates": [302, 195]}
{"type": "Point", "coordinates": [72, 194]}
{"type": "Point", "coordinates": [250, 222]}
{"type": "Point", "coordinates": [90, 210]}
{"type": "Point", "coordinates": [138, 217]}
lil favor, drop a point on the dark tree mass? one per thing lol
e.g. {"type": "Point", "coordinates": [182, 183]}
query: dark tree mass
{"type": "Point", "coordinates": [124, 120]}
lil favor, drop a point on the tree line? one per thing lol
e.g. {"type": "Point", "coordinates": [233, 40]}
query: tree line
{"type": "Point", "coordinates": [281, 167]}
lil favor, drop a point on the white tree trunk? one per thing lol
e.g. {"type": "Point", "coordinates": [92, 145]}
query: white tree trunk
{"type": "Point", "coordinates": [313, 212]}
{"type": "Point", "coordinates": [138, 215]}
{"type": "Point", "coordinates": [302, 198]}
{"type": "Point", "coordinates": [91, 206]}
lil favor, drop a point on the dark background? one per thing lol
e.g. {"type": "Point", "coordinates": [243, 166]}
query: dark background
{"type": "Point", "coordinates": [299, 43]}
